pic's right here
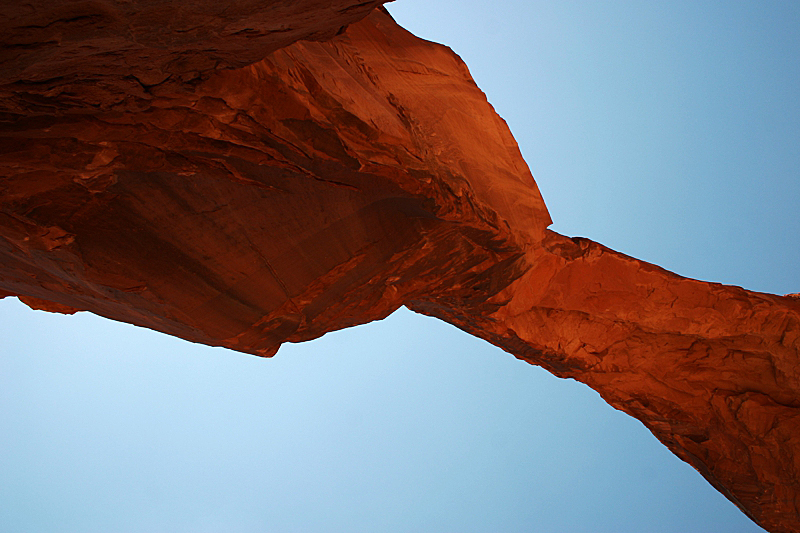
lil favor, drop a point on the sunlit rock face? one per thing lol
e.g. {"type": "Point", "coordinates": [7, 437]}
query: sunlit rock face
{"type": "Point", "coordinates": [324, 183]}
{"type": "Point", "coordinates": [319, 188]}
{"type": "Point", "coordinates": [711, 370]}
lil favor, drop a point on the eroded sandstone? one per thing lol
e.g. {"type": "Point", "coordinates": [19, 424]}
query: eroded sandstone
{"type": "Point", "coordinates": [324, 184]}
{"type": "Point", "coordinates": [103, 54]}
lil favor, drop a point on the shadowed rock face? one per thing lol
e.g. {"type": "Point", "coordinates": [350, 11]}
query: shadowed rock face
{"type": "Point", "coordinates": [114, 54]}
{"type": "Point", "coordinates": [323, 184]}
{"type": "Point", "coordinates": [304, 193]}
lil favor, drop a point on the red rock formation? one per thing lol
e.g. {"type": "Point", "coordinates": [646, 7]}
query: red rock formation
{"type": "Point", "coordinates": [710, 369]}
{"type": "Point", "coordinates": [331, 182]}
{"type": "Point", "coordinates": [57, 56]}
{"type": "Point", "coordinates": [263, 206]}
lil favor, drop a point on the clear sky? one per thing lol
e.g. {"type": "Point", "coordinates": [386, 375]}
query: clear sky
{"type": "Point", "coordinates": [666, 130]}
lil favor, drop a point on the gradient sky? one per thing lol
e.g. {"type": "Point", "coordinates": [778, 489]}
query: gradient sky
{"type": "Point", "coordinates": [665, 130]}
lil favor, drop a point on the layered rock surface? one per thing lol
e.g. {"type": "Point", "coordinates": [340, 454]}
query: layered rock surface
{"type": "Point", "coordinates": [61, 56]}
{"type": "Point", "coordinates": [323, 184]}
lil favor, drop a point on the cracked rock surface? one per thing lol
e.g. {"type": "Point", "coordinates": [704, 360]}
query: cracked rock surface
{"type": "Point", "coordinates": [243, 175]}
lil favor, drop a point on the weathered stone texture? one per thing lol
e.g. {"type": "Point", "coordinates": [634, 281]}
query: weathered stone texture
{"type": "Point", "coordinates": [321, 185]}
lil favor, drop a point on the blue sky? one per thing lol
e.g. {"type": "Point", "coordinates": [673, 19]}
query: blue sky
{"type": "Point", "coordinates": [666, 130]}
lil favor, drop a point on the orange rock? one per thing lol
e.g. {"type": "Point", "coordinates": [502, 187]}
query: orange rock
{"type": "Point", "coordinates": [61, 56]}
{"type": "Point", "coordinates": [332, 182]}
{"type": "Point", "coordinates": [710, 369]}
{"type": "Point", "coordinates": [264, 206]}
{"type": "Point", "coordinates": [45, 305]}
